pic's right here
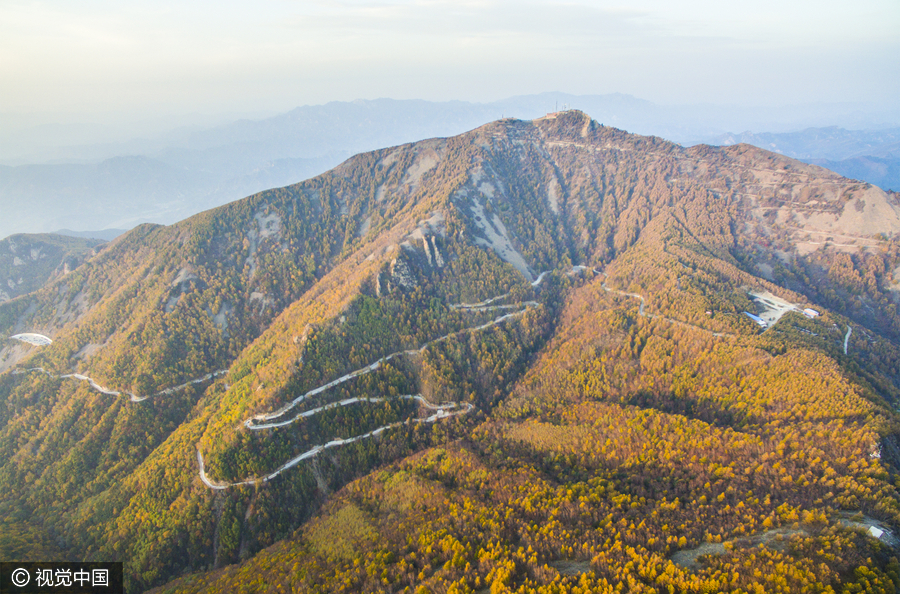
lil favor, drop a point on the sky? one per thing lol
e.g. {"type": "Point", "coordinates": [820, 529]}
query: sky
{"type": "Point", "coordinates": [62, 60]}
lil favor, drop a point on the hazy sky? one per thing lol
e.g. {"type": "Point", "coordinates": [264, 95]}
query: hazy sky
{"type": "Point", "coordinates": [164, 56]}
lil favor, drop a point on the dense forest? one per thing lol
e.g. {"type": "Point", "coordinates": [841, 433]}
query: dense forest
{"type": "Point", "coordinates": [517, 360]}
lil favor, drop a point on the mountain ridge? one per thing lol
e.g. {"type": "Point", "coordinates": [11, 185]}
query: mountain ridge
{"type": "Point", "coordinates": [192, 170]}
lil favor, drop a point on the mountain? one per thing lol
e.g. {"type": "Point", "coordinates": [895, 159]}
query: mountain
{"type": "Point", "coordinates": [517, 358]}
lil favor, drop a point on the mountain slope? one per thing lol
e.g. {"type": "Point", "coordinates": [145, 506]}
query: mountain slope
{"type": "Point", "coordinates": [535, 328]}
{"type": "Point", "coordinates": [28, 261]}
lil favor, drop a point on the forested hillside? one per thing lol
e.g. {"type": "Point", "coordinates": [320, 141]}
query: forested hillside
{"type": "Point", "coordinates": [29, 261]}
{"type": "Point", "coordinates": [513, 360]}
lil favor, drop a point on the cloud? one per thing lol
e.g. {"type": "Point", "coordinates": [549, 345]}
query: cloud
{"type": "Point", "coordinates": [279, 53]}
{"type": "Point", "coordinates": [454, 19]}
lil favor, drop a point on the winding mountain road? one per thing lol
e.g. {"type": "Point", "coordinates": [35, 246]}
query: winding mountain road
{"type": "Point", "coordinates": [132, 397]}
{"type": "Point", "coordinates": [443, 411]}
{"type": "Point", "coordinates": [251, 422]}
{"type": "Point", "coordinates": [316, 450]}
{"type": "Point", "coordinates": [643, 301]}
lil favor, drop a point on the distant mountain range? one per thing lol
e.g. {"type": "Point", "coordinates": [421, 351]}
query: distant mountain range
{"type": "Point", "coordinates": [883, 172]}
{"type": "Point", "coordinates": [868, 155]}
{"type": "Point", "coordinates": [832, 143]}
{"type": "Point", "coordinates": [104, 234]}
{"type": "Point", "coordinates": [189, 171]}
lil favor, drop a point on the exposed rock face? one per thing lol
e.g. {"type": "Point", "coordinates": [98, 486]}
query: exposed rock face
{"type": "Point", "coordinates": [401, 275]}
{"type": "Point", "coordinates": [438, 258]}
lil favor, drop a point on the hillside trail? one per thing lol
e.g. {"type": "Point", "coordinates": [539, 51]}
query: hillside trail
{"type": "Point", "coordinates": [643, 303]}
{"type": "Point", "coordinates": [132, 397]}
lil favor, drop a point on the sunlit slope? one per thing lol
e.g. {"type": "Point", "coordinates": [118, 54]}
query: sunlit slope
{"type": "Point", "coordinates": [389, 305]}
{"type": "Point", "coordinates": [632, 445]}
